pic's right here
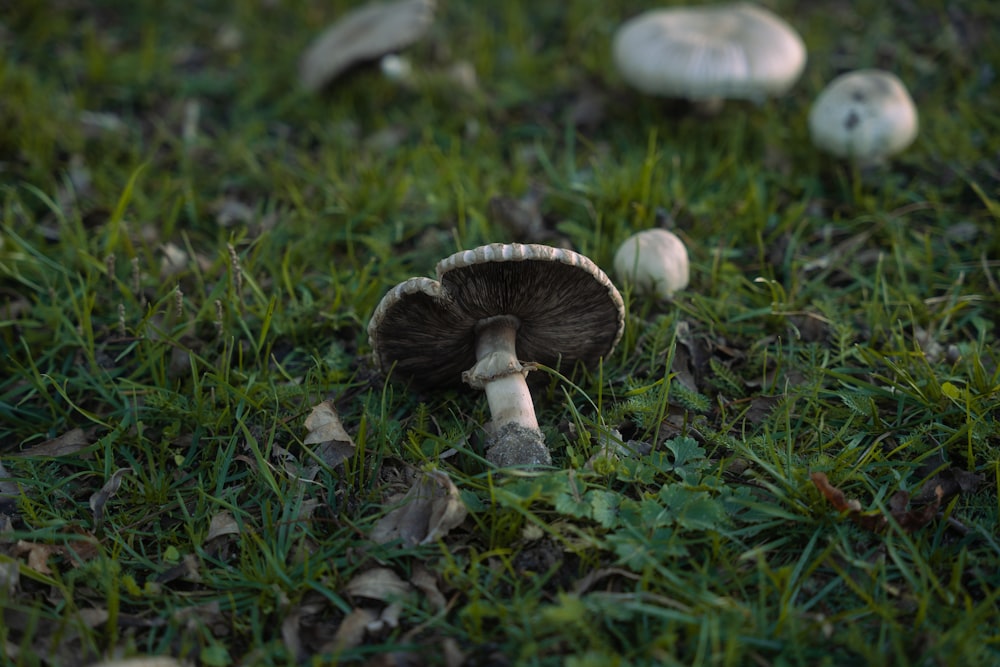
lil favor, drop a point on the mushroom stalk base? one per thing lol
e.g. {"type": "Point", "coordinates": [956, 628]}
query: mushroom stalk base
{"type": "Point", "coordinates": [513, 445]}
{"type": "Point", "coordinates": [515, 439]}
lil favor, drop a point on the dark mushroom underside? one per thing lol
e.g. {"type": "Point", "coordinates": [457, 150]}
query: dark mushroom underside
{"type": "Point", "coordinates": [566, 316]}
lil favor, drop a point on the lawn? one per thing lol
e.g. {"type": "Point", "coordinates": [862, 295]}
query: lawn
{"type": "Point", "coordinates": [793, 461]}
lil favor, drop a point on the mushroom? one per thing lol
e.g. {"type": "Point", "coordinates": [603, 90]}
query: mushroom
{"type": "Point", "coordinates": [366, 33]}
{"type": "Point", "coordinates": [653, 260]}
{"type": "Point", "coordinates": [493, 314]}
{"type": "Point", "coordinates": [707, 54]}
{"type": "Point", "coordinates": [866, 115]}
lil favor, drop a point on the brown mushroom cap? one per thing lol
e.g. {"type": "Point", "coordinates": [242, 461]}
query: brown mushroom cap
{"type": "Point", "coordinates": [424, 330]}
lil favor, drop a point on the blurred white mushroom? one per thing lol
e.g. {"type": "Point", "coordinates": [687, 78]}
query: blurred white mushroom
{"type": "Point", "coordinates": [710, 53]}
{"type": "Point", "coordinates": [366, 33]}
{"type": "Point", "coordinates": [396, 68]}
{"type": "Point", "coordinates": [653, 261]}
{"type": "Point", "coordinates": [866, 115]}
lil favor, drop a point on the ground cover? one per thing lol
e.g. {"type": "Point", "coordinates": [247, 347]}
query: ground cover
{"type": "Point", "coordinates": [795, 461]}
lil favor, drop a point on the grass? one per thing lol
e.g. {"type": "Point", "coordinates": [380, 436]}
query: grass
{"type": "Point", "coordinates": [191, 249]}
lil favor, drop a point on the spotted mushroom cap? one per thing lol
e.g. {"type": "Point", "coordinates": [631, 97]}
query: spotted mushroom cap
{"type": "Point", "coordinates": [365, 33]}
{"type": "Point", "coordinates": [737, 51]}
{"type": "Point", "coordinates": [866, 115]}
{"type": "Point", "coordinates": [424, 330]}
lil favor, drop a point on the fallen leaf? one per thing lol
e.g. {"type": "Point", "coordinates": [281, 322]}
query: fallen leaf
{"type": "Point", "coordinates": [142, 661]}
{"type": "Point", "coordinates": [383, 585]}
{"type": "Point", "coordinates": [110, 488]}
{"type": "Point", "coordinates": [38, 555]}
{"type": "Point", "coordinates": [953, 481]}
{"type": "Point", "coordinates": [302, 616]}
{"type": "Point", "coordinates": [351, 631]}
{"type": "Point", "coordinates": [378, 583]}
{"type": "Point", "coordinates": [326, 430]}
{"type": "Point", "coordinates": [876, 520]}
{"type": "Point", "coordinates": [188, 569]}
{"type": "Point", "coordinates": [911, 520]}
{"type": "Point", "coordinates": [426, 582]}
{"type": "Point", "coordinates": [430, 510]}
{"type": "Point", "coordinates": [222, 523]}
{"type": "Point", "coordinates": [68, 443]}
{"type": "Point", "coordinates": [834, 495]}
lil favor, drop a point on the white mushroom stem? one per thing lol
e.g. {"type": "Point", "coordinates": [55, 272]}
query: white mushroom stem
{"type": "Point", "coordinates": [499, 373]}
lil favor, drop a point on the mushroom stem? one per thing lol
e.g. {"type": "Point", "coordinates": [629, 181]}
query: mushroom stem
{"type": "Point", "coordinates": [500, 374]}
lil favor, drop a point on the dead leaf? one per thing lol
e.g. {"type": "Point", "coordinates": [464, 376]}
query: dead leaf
{"type": "Point", "coordinates": [188, 569]}
{"type": "Point", "coordinates": [834, 495]}
{"type": "Point", "coordinates": [38, 555]}
{"type": "Point", "coordinates": [911, 520]}
{"type": "Point", "coordinates": [876, 520]}
{"type": "Point", "coordinates": [428, 511]}
{"type": "Point", "coordinates": [384, 585]}
{"type": "Point", "coordinates": [110, 488]}
{"type": "Point", "coordinates": [366, 33]}
{"type": "Point", "coordinates": [351, 631]}
{"type": "Point", "coordinates": [378, 583]}
{"type": "Point", "coordinates": [142, 661]}
{"type": "Point", "coordinates": [426, 582]}
{"type": "Point", "coordinates": [303, 617]}
{"type": "Point", "coordinates": [325, 430]}
{"type": "Point", "coordinates": [952, 481]}
{"type": "Point", "coordinates": [222, 523]}
{"type": "Point", "coordinates": [66, 444]}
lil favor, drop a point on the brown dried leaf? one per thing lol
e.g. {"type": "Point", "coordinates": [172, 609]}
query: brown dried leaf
{"type": "Point", "coordinates": [834, 495]}
{"type": "Point", "coordinates": [428, 511]}
{"type": "Point", "coordinates": [38, 555]}
{"type": "Point", "coordinates": [110, 488]}
{"type": "Point", "coordinates": [222, 523]}
{"type": "Point", "coordinates": [66, 444]}
{"type": "Point", "coordinates": [142, 661]}
{"type": "Point", "coordinates": [188, 569]}
{"type": "Point", "coordinates": [426, 582]}
{"type": "Point", "coordinates": [378, 583]}
{"type": "Point", "coordinates": [877, 521]}
{"type": "Point", "coordinates": [325, 430]}
{"type": "Point", "coordinates": [351, 631]}
{"type": "Point", "coordinates": [952, 481]}
{"type": "Point", "coordinates": [911, 520]}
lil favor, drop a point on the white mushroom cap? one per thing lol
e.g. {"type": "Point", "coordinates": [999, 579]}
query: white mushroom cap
{"type": "Point", "coordinates": [655, 261]}
{"type": "Point", "coordinates": [366, 33]}
{"type": "Point", "coordinates": [738, 51]}
{"type": "Point", "coordinates": [866, 115]}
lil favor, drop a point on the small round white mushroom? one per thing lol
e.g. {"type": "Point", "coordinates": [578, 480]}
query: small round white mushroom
{"type": "Point", "coordinates": [654, 261]}
{"type": "Point", "coordinates": [489, 309]}
{"type": "Point", "coordinates": [706, 54]}
{"type": "Point", "coordinates": [866, 115]}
